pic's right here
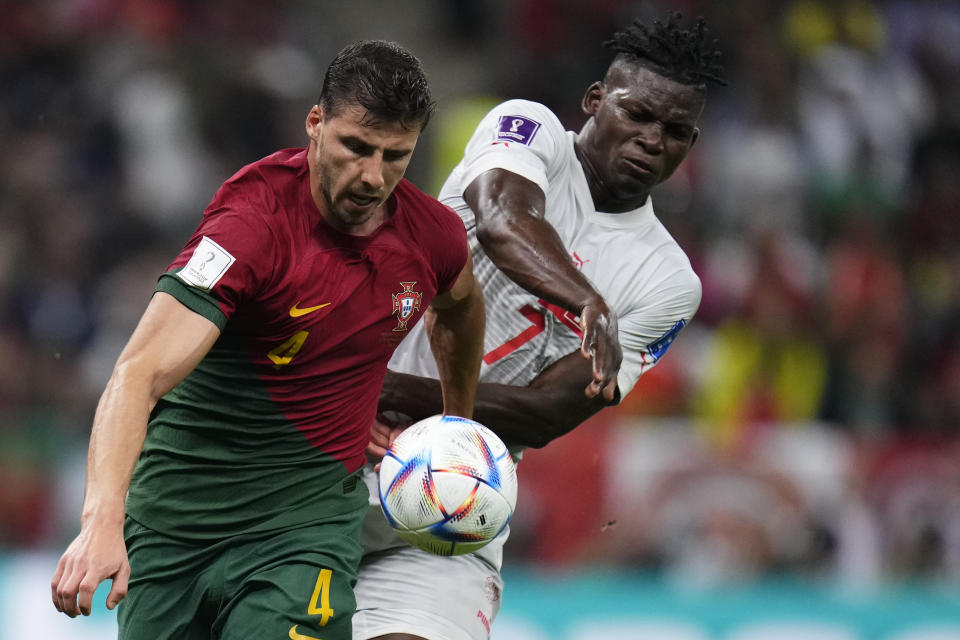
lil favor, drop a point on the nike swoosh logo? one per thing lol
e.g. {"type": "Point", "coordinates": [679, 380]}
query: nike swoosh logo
{"type": "Point", "coordinates": [293, 630]}
{"type": "Point", "coordinates": [296, 313]}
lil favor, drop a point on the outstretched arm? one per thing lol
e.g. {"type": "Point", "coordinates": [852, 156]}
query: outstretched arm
{"type": "Point", "coordinates": [168, 343]}
{"type": "Point", "coordinates": [530, 416]}
{"type": "Point", "coordinates": [509, 210]}
{"type": "Point", "coordinates": [455, 323]}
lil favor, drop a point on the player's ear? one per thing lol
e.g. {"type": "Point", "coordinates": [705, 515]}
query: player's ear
{"type": "Point", "coordinates": [592, 98]}
{"type": "Point", "coordinates": [314, 120]}
{"type": "Point", "coordinates": [694, 138]}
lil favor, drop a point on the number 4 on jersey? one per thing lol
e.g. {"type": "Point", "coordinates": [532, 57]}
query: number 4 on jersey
{"type": "Point", "coordinates": [283, 353]}
{"type": "Point", "coordinates": [320, 601]}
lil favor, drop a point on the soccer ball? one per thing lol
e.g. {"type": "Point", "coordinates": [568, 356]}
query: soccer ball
{"type": "Point", "coordinates": [448, 485]}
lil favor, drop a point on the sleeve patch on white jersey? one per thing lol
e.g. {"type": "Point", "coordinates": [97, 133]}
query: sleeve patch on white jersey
{"type": "Point", "coordinates": [517, 129]}
{"type": "Point", "coordinates": [207, 265]}
{"type": "Point", "coordinates": [658, 347]}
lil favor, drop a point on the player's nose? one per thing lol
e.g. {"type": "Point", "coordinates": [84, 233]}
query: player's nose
{"type": "Point", "coordinates": [372, 171]}
{"type": "Point", "coordinates": [650, 137]}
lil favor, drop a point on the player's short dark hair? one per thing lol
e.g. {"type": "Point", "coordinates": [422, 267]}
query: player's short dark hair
{"type": "Point", "coordinates": [383, 78]}
{"type": "Point", "coordinates": [687, 56]}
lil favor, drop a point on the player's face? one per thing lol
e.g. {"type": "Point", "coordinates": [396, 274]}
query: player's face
{"type": "Point", "coordinates": [643, 126]}
{"type": "Point", "coordinates": [355, 165]}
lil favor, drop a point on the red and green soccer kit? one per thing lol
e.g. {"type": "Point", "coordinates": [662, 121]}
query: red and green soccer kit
{"type": "Point", "coordinates": [265, 437]}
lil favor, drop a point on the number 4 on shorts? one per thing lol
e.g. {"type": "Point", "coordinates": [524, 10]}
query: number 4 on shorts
{"type": "Point", "coordinates": [320, 602]}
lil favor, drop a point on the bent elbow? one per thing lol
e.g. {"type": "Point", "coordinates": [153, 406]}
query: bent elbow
{"type": "Point", "coordinates": [488, 236]}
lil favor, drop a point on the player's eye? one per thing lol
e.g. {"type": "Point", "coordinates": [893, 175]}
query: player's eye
{"type": "Point", "coordinates": [394, 156]}
{"type": "Point", "coordinates": [358, 147]}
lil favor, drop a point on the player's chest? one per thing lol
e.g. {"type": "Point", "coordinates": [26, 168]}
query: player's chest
{"type": "Point", "coordinates": [617, 260]}
{"type": "Point", "coordinates": [335, 302]}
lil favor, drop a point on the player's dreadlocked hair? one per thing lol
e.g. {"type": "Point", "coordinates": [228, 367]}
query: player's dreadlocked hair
{"type": "Point", "coordinates": [679, 54]}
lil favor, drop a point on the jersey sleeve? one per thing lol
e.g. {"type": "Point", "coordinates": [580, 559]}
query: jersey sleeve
{"type": "Point", "coordinates": [227, 260]}
{"type": "Point", "coordinates": [520, 136]}
{"type": "Point", "coordinates": [648, 331]}
{"type": "Point", "coordinates": [448, 249]}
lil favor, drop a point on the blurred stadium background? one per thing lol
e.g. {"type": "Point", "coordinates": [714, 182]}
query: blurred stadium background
{"type": "Point", "coordinates": [790, 471]}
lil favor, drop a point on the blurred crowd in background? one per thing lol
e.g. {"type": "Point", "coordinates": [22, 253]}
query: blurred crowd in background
{"type": "Point", "coordinates": [808, 421]}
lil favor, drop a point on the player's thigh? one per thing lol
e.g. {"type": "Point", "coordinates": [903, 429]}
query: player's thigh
{"type": "Point", "coordinates": [409, 591]}
{"type": "Point", "coordinates": [167, 599]}
{"type": "Point", "coordinates": [308, 601]}
{"type": "Point", "coordinates": [298, 584]}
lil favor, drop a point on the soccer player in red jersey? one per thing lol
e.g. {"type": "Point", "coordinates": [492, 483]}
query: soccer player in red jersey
{"type": "Point", "coordinates": [238, 414]}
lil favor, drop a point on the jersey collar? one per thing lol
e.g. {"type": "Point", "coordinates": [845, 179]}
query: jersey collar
{"type": "Point", "coordinates": [640, 216]}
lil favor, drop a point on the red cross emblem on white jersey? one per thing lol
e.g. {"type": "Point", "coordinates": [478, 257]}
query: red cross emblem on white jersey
{"type": "Point", "coordinates": [405, 303]}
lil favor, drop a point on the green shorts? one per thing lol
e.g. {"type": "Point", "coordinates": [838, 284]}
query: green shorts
{"type": "Point", "coordinates": [296, 583]}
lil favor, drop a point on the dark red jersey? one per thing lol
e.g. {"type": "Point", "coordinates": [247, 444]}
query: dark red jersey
{"type": "Point", "coordinates": [279, 412]}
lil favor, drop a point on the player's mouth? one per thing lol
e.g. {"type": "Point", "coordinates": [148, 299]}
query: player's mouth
{"type": "Point", "coordinates": [362, 201]}
{"type": "Point", "coordinates": [638, 167]}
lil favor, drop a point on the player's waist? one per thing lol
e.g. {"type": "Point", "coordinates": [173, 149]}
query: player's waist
{"type": "Point", "coordinates": [200, 432]}
{"type": "Point", "coordinates": [210, 501]}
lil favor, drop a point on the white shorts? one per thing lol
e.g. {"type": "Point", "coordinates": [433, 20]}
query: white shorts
{"type": "Point", "coordinates": [406, 590]}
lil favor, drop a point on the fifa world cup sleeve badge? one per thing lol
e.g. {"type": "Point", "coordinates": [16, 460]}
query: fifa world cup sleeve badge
{"type": "Point", "coordinates": [405, 304]}
{"type": "Point", "coordinates": [519, 129]}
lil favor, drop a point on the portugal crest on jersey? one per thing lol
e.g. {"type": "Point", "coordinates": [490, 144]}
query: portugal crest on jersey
{"type": "Point", "coordinates": [405, 303]}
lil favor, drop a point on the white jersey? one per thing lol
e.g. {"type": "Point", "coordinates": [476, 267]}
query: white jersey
{"type": "Point", "coordinates": [629, 257]}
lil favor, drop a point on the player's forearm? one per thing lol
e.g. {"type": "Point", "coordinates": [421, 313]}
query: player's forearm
{"type": "Point", "coordinates": [516, 237]}
{"type": "Point", "coordinates": [456, 338]}
{"type": "Point", "coordinates": [167, 344]}
{"type": "Point", "coordinates": [528, 417]}
{"type": "Point", "coordinates": [524, 250]}
{"type": "Point", "coordinates": [519, 415]}
{"type": "Point", "coordinates": [550, 406]}
{"type": "Point", "coordinates": [116, 440]}
{"type": "Point", "coordinates": [523, 416]}
{"type": "Point", "coordinates": [414, 396]}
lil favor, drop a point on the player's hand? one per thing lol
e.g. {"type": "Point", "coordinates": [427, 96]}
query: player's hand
{"type": "Point", "coordinates": [382, 434]}
{"type": "Point", "coordinates": [379, 439]}
{"type": "Point", "coordinates": [95, 555]}
{"type": "Point", "coordinates": [602, 346]}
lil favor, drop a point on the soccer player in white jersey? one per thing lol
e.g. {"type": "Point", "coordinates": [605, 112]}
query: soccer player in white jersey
{"type": "Point", "coordinates": [550, 214]}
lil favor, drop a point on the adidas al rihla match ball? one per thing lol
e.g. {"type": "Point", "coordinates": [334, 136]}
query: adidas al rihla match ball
{"type": "Point", "coordinates": [448, 485]}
